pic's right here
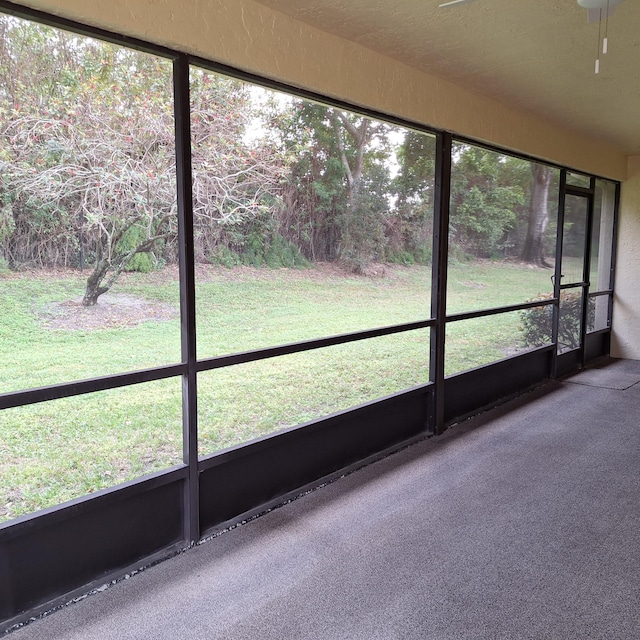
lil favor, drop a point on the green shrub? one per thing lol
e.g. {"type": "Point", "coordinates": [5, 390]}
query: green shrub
{"type": "Point", "coordinates": [403, 257]}
{"type": "Point", "coordinates": [537, 322]}
{"type": "Point", "coordinates": [262, 247]}
{"type": "Point", "coordinates": [7, 221]}
{"type": "Point", "coordinates": [143, 262]}
{"type": "Point", "coordinates": [410, 255]}
{"type": "Point", "coordinates": [252, 258]}
{"type": "Point", "coordinates": [423, 254]}
{"type": "Point", "coordinates": [4, 266]}
{"type": "Point", "coordinates": [225, 257]}
{"type": "Point", "coordinates": [457, 254]}
{"type": "Point", "coordinates": [282, 253]}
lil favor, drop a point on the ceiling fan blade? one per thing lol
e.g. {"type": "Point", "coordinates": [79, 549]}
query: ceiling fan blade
{"type": "Point", "coordinates": [453, 2]}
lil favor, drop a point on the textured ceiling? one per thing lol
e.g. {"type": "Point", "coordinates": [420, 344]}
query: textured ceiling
{"type": "Point", "coordinates": [536, 55]}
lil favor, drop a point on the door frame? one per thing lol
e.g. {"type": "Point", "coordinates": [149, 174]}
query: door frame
{"type": "Point", "coordinates": [573, 360]}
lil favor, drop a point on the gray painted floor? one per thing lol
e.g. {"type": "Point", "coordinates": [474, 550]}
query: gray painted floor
{"type": "Point", "coordinates": [523, 522]}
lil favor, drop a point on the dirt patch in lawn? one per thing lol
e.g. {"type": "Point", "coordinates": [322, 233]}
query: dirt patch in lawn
{"type": "Point", "coordinates": [113, 311]}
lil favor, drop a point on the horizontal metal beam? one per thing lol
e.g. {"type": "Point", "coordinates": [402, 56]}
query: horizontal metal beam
{"type": "Point", "coordinates": [572, 190]}
{"type": "Point", "coordinates": [456, 317]}
{"type": "Point", "coordinates": [80, 387]}
{"type": "Point", "coordinates": [102, 383]}
{"type": "Point", "coordinates": [307, 345]}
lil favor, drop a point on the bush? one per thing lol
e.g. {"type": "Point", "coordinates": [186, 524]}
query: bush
{"type": "Point", "coordinates": [481, 219]}
{"type": "Point", "coordinates": [362, 239]}
{"type": "Point", "coordinates": [458, 256]}
{"type": "Point", "coordinates": [225, 257]}
{"type": "Point", "coordinates": [401, 257]}
{"type": "Point", "coordinates": [272, 250]}
{"type": "Point", "coordinates": [252, 258]}
{"type": "Point", "coordinates": [7, 222]}
{"type": "Point", "coordinates": [4, 266]}
{"type": "Point", "coordinates": [423, 254]}
{"type": "Point", "coordinates": [143, 262]}
{"type": "Point", "coordinates": [410, 255]}
{"type": "Point", "coordinates": [282, 253]}
{"type": "Point", "coordinates": [537, 322]}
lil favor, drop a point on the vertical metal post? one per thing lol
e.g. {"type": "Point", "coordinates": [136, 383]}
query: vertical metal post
{"type": "Point", "coordinates": [439, 278]}
{"type": "Point", "coordinates": [557, 278]}
{"type": "Point", "coordinates": [187, 296]}
{"type": "Point", "coordinates": [586, 273]}
{"type": "Point", "coordinates": [614, 251]}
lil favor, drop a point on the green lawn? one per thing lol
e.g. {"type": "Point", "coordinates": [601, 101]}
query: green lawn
{"type": "Point", "coordinates": [54, 451]}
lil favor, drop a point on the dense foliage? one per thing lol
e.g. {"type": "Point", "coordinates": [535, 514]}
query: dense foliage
{"type": "Point", "coordinates": [536, 322]}
{"type": "Point", "coordinates": [87, 171]}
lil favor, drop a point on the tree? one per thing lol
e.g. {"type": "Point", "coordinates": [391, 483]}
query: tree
{"type": "Point", "coordinates": [363, 152]}
{"type": "Point", "coordinates": [88, 160]}
{"type": "Point", "coordinates": [359, 130]}
{"type": "Point", "coordinates": [314, 194]}
{"type": "Point", "coordinates": [93, 144]}
{"type": "Point", "coordinates": [410, 228]}
{"type": "Point", "coordinates": [237, 180]}
{"type": "Point", "coordinates": [485, 201]}
{"type": "Point", "coordinates": [533, 250]}
{"type": "Point", "coordinates": [335, 154]}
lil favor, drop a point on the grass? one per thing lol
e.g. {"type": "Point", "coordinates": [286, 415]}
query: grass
{"type": "Point", "coordinates": [55, 451]}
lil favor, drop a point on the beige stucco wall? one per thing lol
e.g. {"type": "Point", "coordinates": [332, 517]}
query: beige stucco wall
{"type": "Point", "coordinates": [626, 308]}
{"type": "Point", "coordinates": [247, 35]}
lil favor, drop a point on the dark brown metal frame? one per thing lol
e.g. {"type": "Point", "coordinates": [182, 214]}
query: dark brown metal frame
{"type": "Point", "coordinates": [187, 297]}
{"type": "Point", "coordinates": [588, 350]}
{"type": "Point", "coordinates": [51, 556]}
{"type": "Point", "coordinates": [440, 259]}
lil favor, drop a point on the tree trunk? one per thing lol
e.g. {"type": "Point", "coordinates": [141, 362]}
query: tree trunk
{"type": "Point", "coordinates": [360, 136]}
{"type": "Point", "coordinates": [533, 250]}
{"type": "Point", "coordinates": [113, 262]}
{"type": "Point", "coordinates": [94, 288]}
